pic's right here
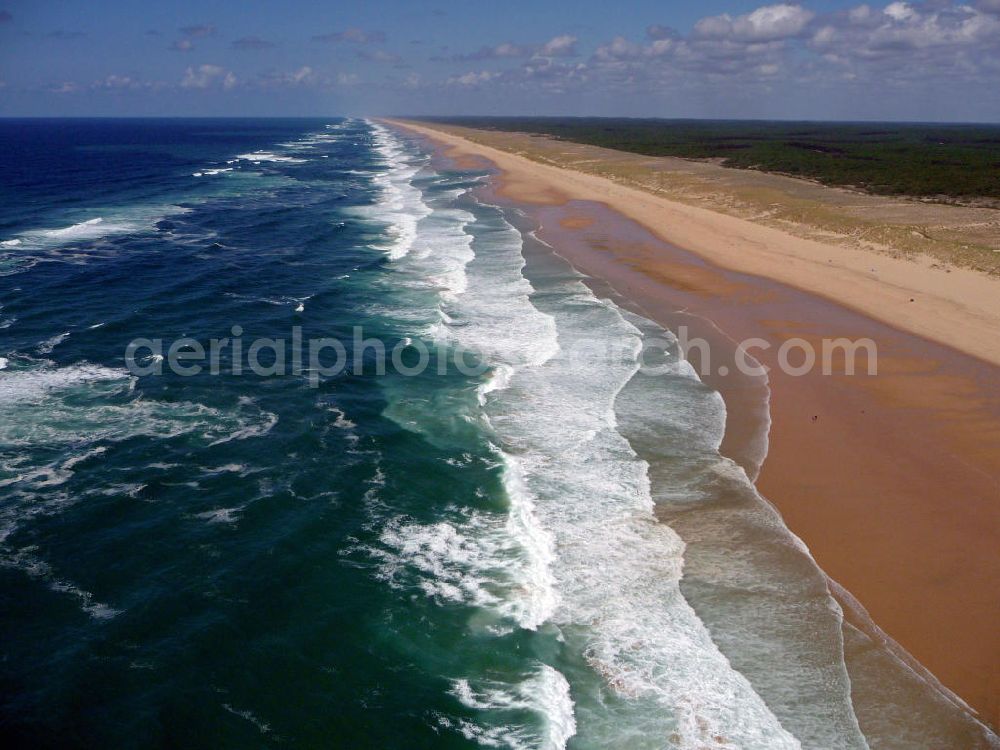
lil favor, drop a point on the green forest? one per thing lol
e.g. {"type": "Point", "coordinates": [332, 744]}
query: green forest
{"type": "Point", "coordinates": [925, 160]}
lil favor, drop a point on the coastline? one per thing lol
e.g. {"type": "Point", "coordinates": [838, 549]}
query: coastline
{"type": "Point", "coordinates": [879, 521]}
{"type": "Point", "coordinates": [954, 306]}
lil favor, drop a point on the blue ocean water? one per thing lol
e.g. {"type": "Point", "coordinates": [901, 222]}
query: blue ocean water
{"type": "Point", "coordinates": [542, 551]}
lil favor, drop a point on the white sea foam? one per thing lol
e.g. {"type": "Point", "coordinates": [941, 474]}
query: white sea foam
{"type": "Point", "coordinates": [37, 244]}
{"type": "Point", "coordinates": [401, 204]}
{"type": "Point", "coordinates": [299, 302]}
{"type": "Point", "coordinates": [579, 545]}
{"type": "Point", "coordinates": [259, 157]}
{"type": "Point", "coordinates": [261, 425]}
{"type": "Point", "coordinates": [86, 455]}
{"type": "Point", "coordinates": [311, 141]}
{"type": "Point", "coordinates": [73, 411]}
{"type": "Point", "coordinates": [3, 363]}
{"type": "Point", "coordinates": [456, 566]}
{"type": "Point", "coordinates": [498, 561]}
{"type": "Point", "coordinates": [783, 632]}
{"type": "Point", "coordinates": [212, 172]}
{"type": "Point", "coordinates": [85, 403]}
{"type": "Point", "coordinates": [48, 345]}
{"type": "Point", "coordinates": [32, 385]}
{"type": "Point", "coordinates": [221, 515]}
{"type": "Point", "coordinates": [262, 726]}
{"type": "Point", "coordinates": [546, 692]}
{"type": "Point", "coordinates": [617, 570]}
{"type": "Point", "coordinates": [27, 562]}
{"type": "Point", "coordinates": [91, 227]}
{"type": "Point", "coordinates": [586, 489]}
{"type": "Point", "coordinates": [342, 422]}
{"type": "Point", "coordinates": [439, 255]}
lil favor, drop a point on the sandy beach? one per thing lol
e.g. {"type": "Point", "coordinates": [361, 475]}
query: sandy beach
{"type": "Point", "coordinates": [955, 306]}
{"type": "Point", "coordinates": [892, 480]}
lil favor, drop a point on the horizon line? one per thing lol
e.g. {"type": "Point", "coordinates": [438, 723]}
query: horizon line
{"type": "Point", "coordinates": [503, 117]}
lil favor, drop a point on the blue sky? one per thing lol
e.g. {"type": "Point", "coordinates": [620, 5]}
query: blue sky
{"type": "Point", "coordinates": [822, 59]}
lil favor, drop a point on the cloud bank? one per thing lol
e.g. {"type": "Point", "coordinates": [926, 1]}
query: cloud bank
{"type": "Point", "coordinates": [900, 48]}
{"type": "Point", "coordinates": [937, 59]}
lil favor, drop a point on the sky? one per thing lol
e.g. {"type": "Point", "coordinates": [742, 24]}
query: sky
{"type": "Point", "coordinates": [937, 60]}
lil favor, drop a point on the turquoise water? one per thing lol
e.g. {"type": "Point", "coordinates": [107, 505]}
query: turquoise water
{"type": "Point", "coordinates": [541, 550]}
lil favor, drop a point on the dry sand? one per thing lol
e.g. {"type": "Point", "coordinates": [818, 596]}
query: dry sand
{"type": "Point", "coordinates": [892, 481]}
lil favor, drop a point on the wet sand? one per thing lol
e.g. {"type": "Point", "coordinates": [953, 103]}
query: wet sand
{"type": "Point", "coordinates": [892, 480]}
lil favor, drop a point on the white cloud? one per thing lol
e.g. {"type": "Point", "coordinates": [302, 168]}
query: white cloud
{"type": "Point", "coordinates": [208, 76]}
{"type": "Point", "coordinates": [902, 30]}
{"type": "Point", "coordinates": [897, 41]}
{"type": "Point", "coordinates": [767, 23]}
{"type": "Point", "coordinates": [618, 48]}
{"type": "Point", "coordinates": [508, 50]}
{"type": "Point", "coordinates": [504, 50]}
{"type": "Point", "coordinates": [563, 45]}
{"type": "Point", "coordinates": [304, 76]}
{"type": "Point", "coordinates": [780, 44]}
{"type": "Point", "coordinates": [662, 47]}
{"type": "Point", "coordinates": [860, 14]}
{"type": "Point", "coordinates": [352, 36]}
{"type": "Point", "coordinates": [825, 35]}
{"type": "Point", "coordinates": [473, 78]}
{"type": "Point", "coordinates": [114, 81]}
{"type": "Point", "coordinates": [899, 12]}
{"type": "Point", "coordinates": [66, 87]}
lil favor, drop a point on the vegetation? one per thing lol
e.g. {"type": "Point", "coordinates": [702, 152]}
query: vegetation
{"type": "Point", "coordinates": [925, 160]}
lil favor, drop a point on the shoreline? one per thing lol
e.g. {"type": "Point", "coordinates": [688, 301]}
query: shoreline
{"type": "Point", "coordinates": [876, 520]}
{"type": "Point", "coordinates": [953, 306]}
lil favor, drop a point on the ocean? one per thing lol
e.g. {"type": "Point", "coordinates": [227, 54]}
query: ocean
{"type": "Point", "coordinates": [503, 522]}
